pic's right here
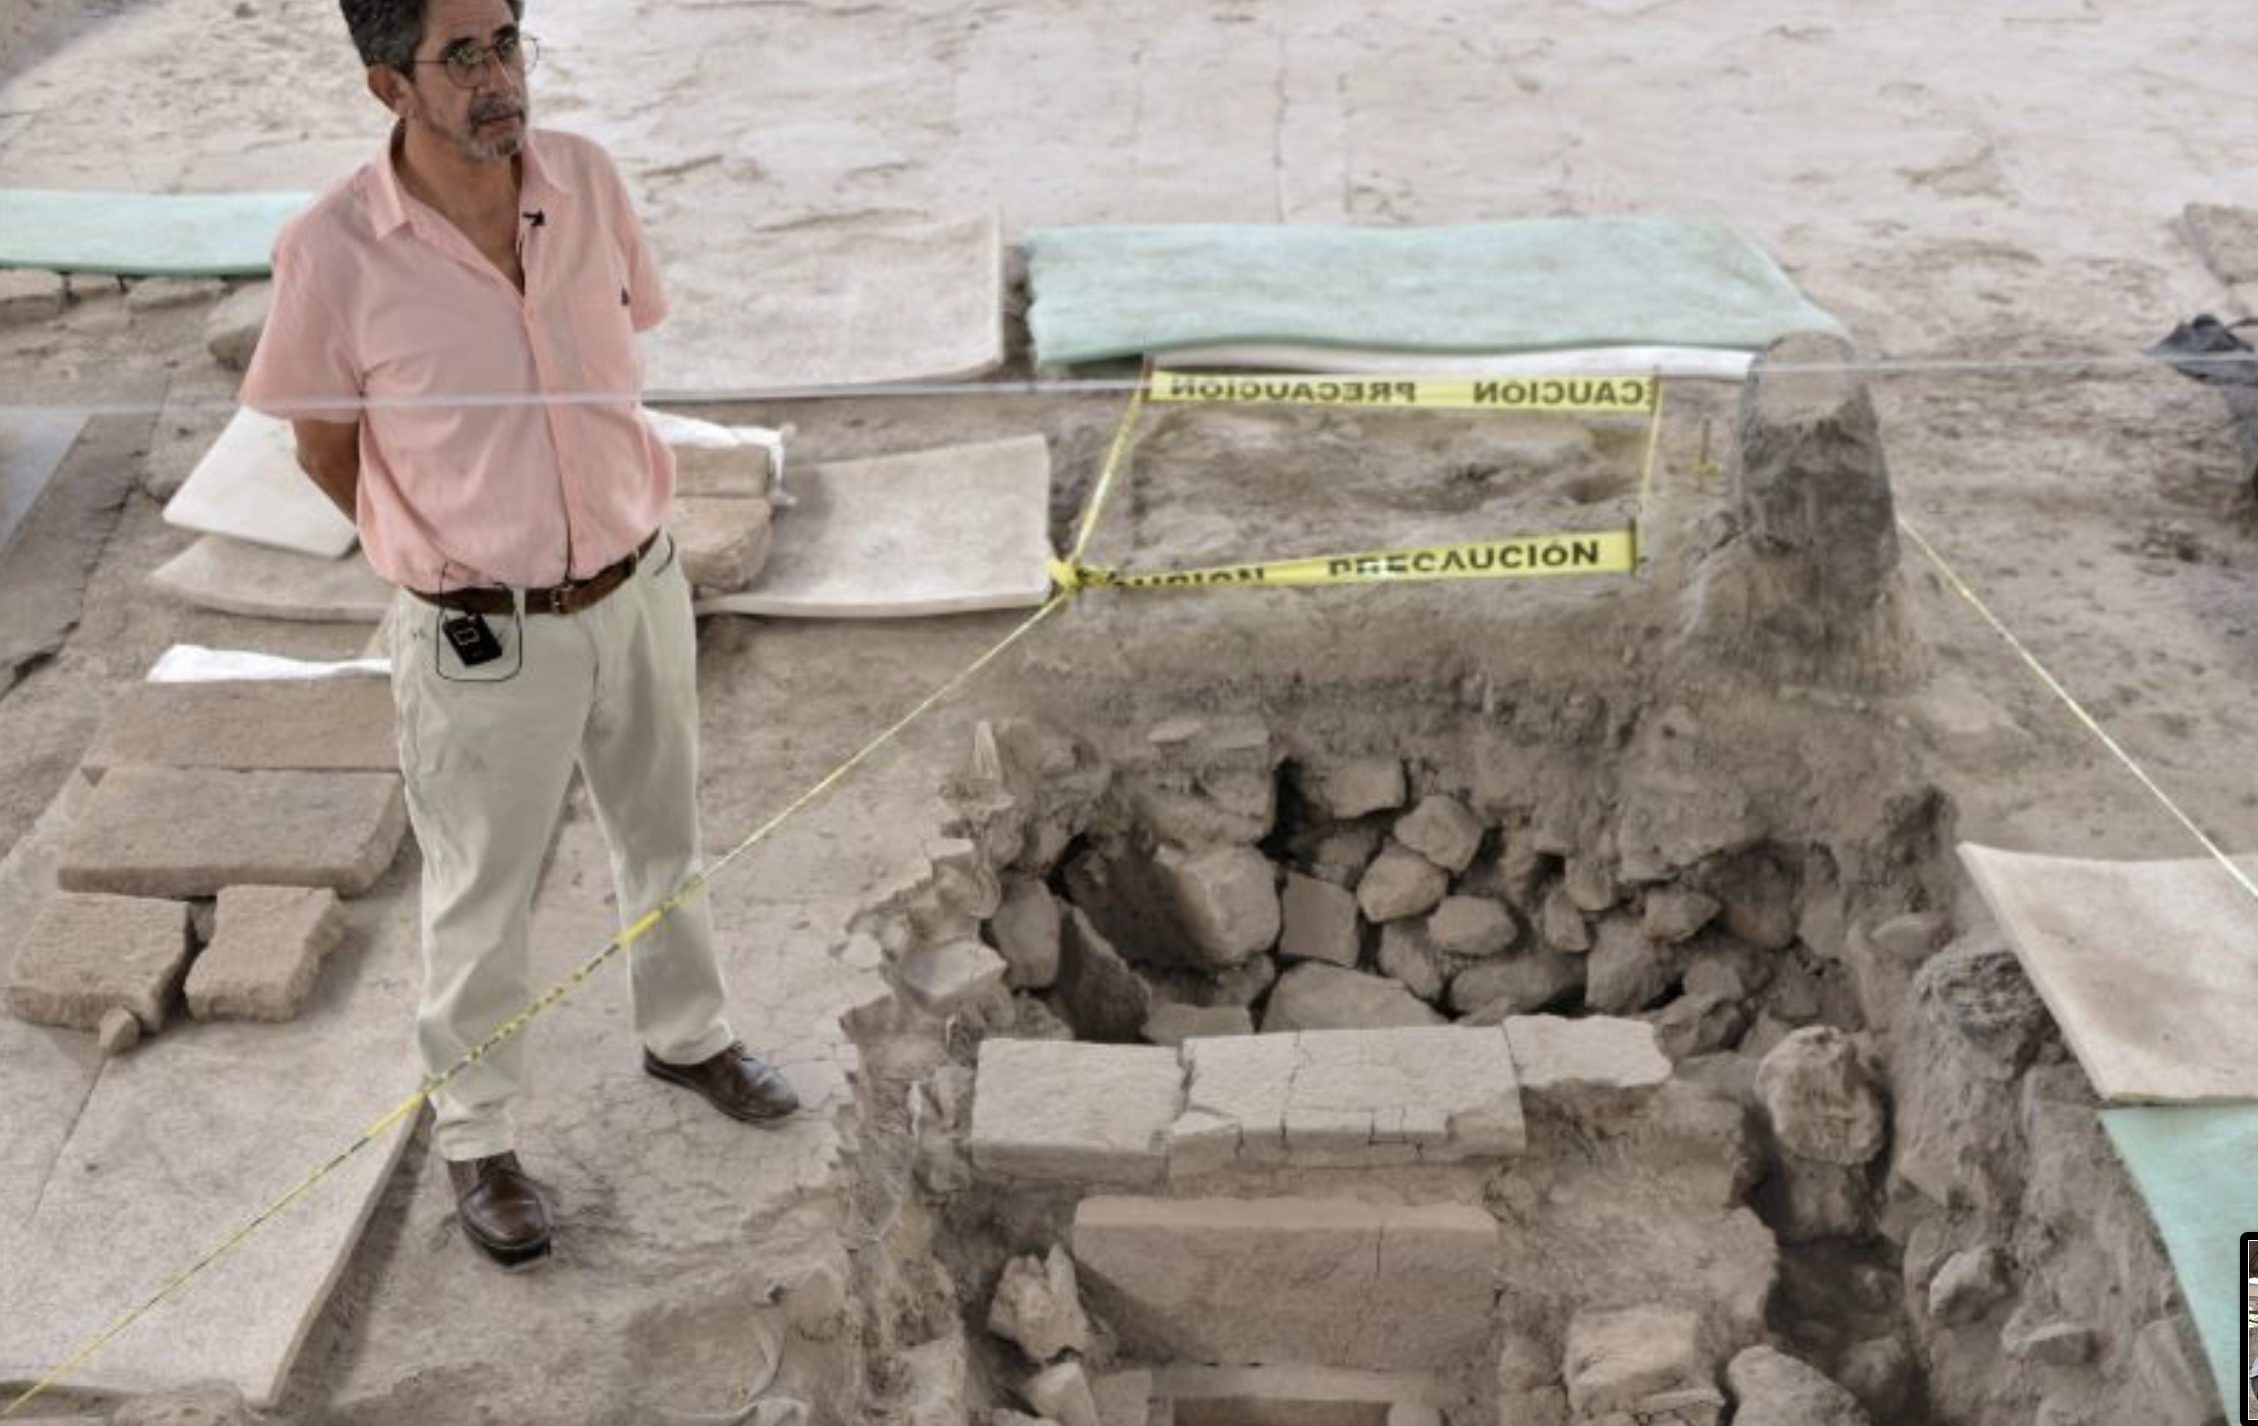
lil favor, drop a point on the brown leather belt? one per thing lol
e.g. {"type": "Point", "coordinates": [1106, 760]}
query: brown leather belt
{"type": "Point", "coordinates": [568, 598]}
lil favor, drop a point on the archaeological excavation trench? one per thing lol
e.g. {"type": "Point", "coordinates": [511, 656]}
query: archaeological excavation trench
{"type": "Point", "coordinates": [1535, 1006]}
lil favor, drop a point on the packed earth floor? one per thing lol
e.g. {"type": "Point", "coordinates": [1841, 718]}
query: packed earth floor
{"type": "Point", "coordinates": [1978, 198]}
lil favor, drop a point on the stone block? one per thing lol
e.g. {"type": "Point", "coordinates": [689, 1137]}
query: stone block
{"type": "Point", "coordinates": [231, 331]}
{"type": "Point", "coordinates": [1123, 1398]}
{"type": "Point", "coordinates": [1561, 924]}
{"type": "Point", "coordinates": [1672, 913]}
{"type": "Point", "coordinates": [288, 725]}
{"type": "Point", "coordinates": [164, 832]}
{"type": "Point", "coordinates": [1807, 471]}
{"type": "Point", "coordinates": [1171, 1023]}
{"type": "Point", "coordinates": [1225, 899]}
{"type": "Point", "coordinates": [1693, 1025]}
{"type": "Point", "coordinates": [718, 469]}
{"type": "Point", "coordinates": [1616, 1359]}
{"type": "Point", "coordinates": [1624, 970]}
{"type": "Point", "coordinates": [266, 952]}
{"type": "Point", "coordinates": [158, 294]}
{"type": "Point", "coordinates": [1189, 818]}
{"type": "Point", "coordinates": [941, 980]}
{"type": "Point", "coordinates": [1522, 983]}
{"type": "Point", "coordinates": [933, 1382]}
{"type": "Point", "coordinates": [1772, 1388]}
{"type": "Point", "coordinates": [1471, 926]}
{"type": "Point", "coordinates": [87, 955]}
{"type": "Point", "coordinates": [1074, 1113]}
{"type": "Point", "coordinates": [1354, 787]}
{"type": "Point", "coordinates": [1341, 854]}
{"type": "Point", "coordinates": [1821, 1099]}
{"type": "Point", "coordinates": [1350, 1098]}
{"type": "Point", "coordinates": [1589, 882]}
{"type": "Point", "coordinates": [1038, 1307]}
{"type": "Point", "coordinates": [1062, 1394]}
{"type": "Point", "coordinates": [1407, 955]}
{"type": "Point", "coordinates": [723, 543]}
{"type": "Point", "coordinates": [1239, 1282]}
{"type": "Point", "coordinates": [1027, 929]}
{"type": "Point", "coordinates": [1299, 1395]}
{"type": "Point", "coordinates": [27, 296]}
{"type": "Point", "coordinates": [1441, 830]}
{"type": "Point", "coordinates": [1400, 883]}
{"type": "Point", "coordinates": [1584, 1063]}
{"type": "Point", "coordinates": [1319, 922]}
{"type": "Point", "coordinates": [1317, 996]}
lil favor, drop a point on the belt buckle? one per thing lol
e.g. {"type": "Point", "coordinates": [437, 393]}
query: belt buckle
{"type": "Point", "coordinates": [560, 600]}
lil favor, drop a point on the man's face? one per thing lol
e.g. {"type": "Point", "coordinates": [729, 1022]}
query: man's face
{"type": "Point", "coordinates": [484, 123]}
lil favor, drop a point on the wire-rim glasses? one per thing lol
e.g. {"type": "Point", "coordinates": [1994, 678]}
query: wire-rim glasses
{"type": "Point", "coordinates": [466, 61]}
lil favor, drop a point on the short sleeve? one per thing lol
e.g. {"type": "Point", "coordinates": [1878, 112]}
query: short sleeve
{"type": "Point", "coordinates": [646, 295]}
{"type": "Point", "coordinates": [303, 366]}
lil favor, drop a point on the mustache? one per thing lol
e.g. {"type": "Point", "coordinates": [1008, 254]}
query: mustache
{"type": "Point", "coordinates": [496, 109]}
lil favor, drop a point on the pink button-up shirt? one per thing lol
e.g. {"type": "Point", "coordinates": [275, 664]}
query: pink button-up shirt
{"type": "Point", "coordinates": [476, 479]}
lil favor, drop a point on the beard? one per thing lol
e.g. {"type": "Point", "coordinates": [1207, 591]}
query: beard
{"type": "Point", "coordinates": [492, 131]}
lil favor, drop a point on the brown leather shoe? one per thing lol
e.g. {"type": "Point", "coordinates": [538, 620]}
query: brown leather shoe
{"type": "Point", "coordinates": [500, 1210]}
{"type": "Point", "coordinates": [734, 1082]}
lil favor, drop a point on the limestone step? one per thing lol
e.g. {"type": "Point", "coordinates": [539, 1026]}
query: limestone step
{"type": "Point", "coordinates": [332, 724]}
{"type": "Point", "coordinates": [1241, 1282]}
{"type": "Point", "coordinates": [167, 832]}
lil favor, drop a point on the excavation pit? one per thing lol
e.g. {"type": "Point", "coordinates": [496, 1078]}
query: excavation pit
{"type": "Point", "coordinates": [1530, 1003]}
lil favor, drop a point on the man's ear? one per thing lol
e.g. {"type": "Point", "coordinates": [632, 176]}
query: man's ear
{"type": "Point", "coordinates": [389, 86]}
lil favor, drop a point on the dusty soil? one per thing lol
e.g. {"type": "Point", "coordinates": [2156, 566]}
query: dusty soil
{"type": "Point", "coordinates": [1960, 190]}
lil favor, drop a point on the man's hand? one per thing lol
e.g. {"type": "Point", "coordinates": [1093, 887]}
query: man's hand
{"type": "Point", "coordinates": [330, 452]}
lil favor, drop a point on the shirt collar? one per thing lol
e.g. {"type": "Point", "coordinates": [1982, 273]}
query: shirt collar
{"type": "Point", "coordinates": [539, 183]}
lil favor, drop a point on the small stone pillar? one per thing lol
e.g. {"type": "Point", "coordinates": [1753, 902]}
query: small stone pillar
{"type": "Point", "coordinates": [1807, 470]}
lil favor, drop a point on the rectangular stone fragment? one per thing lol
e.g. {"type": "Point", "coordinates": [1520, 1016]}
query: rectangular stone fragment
{"type": "Point", "coordinates": [190, 833]}
{"type": "Point", "coordinates": [267, 948]}
{"type": "Point", "coordinates": [178, 1145]}
{"type": "Point", "coordinates": [1586, 1063]}
{"type": "Point", "coordinates": [84, 955]}
{"type": "Point", "coordinates": [1245, 1282]}
{"type": "Point", "coordinates": [1356, 1098]}
{"type": "Point", "coordinates": [1240, 1081]}
{"type": "Point", "coordinates": [939, 979]}
{"type": "Point", "coordinates": [1076, 1113]}
{"type": "Point", "coordinates": [1464, 1073]}
{"type": "Point", "coordinates": [305, 725]}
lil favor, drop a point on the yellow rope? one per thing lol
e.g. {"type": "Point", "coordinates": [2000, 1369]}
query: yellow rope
{"type": "Point", "coordinates": [2077, 709]}
{"type": "Point", "coordinates": [1116, 455]}
{"type": "Point", "coordinates": [517, 1023]}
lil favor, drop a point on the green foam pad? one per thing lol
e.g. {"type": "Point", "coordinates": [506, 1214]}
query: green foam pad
{"type": "Point", "coordinates": [143, 234]}
{"type": "Point", "coordinates": [2197, 1168]}
{"type": "Point", "coordinates": [1548, 284]}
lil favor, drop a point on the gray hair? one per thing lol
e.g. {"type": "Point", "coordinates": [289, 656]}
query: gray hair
{"type": "Point", "coordinates": [388, 32]}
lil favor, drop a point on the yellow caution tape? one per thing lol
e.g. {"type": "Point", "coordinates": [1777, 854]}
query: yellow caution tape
{"type": "Point", "coordinates": [406, 1109]}
{"type": "Point", "coordinates": [1519, 557]}
{"type": "Point", "coordinates": [1595, 395]}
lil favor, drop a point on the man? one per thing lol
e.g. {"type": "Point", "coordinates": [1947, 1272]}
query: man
{"type": "Point", "coordinates": [543, 620]}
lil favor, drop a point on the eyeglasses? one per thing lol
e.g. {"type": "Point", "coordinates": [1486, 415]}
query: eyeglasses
{"type": "Point", "coordinates": [466, 61]}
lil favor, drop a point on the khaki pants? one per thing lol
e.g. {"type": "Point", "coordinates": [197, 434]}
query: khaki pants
{"type": "Point", "coordinates": [487, 753]}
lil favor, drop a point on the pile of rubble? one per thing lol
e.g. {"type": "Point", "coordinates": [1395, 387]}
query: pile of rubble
{"type": "Point", "coordinates": [1223, 888]}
